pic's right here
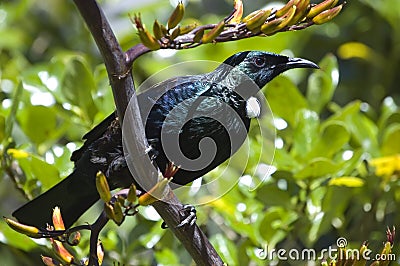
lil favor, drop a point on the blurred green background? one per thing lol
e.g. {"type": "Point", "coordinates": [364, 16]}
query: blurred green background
{"type": "Point", "coordinates": [331, 126]}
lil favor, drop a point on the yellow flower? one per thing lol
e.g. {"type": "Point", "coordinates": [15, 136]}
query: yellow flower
{"type": "Point", "coordinates": [386, 166]}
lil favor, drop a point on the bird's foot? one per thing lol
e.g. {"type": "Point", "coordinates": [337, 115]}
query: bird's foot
{"type": "Point", "coordinates": [189, 214]}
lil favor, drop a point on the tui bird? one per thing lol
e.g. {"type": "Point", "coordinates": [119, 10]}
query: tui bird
{"type": "Point", "coordinates": [213, 105]}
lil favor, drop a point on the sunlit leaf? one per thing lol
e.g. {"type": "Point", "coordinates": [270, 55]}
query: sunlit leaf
{"type": "Point", "coordinates": [38, 122]}
{"type": "Point", "coordinates": [318, 167]}
{"type": "Point", "coordinates": [305, 133]}
{"type": "Point", "coordinates": [167, 256]}
{"type": "Point", "coordinates": [276, 222]}
{"type": "Point", "coordinates": [333, 137]}
{"type": "Point", "coordinates": [77, 85]}
{"type": "Point", "coordinates": [391, 140]}
{"type": "Point", "coordinates": [363, 130]}
{"type": "Point", "coordinates": [322, 84]}
{"type": "Point", "coordinates": [226, 248]}
{"type": "Point", "coordinates": [284, 98]}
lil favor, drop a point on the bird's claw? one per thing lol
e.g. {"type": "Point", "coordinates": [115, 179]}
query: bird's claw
{"type": "Point", "coordinates": [190, 217]}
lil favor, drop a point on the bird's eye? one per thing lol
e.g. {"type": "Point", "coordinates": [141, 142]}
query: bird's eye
{"type": "Point", "coordinates": [259, 62]}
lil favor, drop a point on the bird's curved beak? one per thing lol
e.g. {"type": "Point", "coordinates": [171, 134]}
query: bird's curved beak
{"type": "Point", "coordinates": [300, 63]}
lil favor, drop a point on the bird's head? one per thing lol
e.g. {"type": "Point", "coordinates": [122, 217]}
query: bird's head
{"type": "Point", "coordinates": [262, 67]}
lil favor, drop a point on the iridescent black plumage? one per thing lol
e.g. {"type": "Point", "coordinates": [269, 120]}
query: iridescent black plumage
{"type": "Point", "coordinates": [212, 105]}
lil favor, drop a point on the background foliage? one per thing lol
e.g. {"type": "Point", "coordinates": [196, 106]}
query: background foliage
{"type": "Point", "coordinates": [330, 125]}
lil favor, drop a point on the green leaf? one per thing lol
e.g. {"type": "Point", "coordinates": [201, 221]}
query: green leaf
{"type": "Point", "coordinates": [271, 195]}
{"type": "Point", "coordinates": [276, 223]}
{"type": "Point", "coordinates": [284, 161]}
{"type": "Point", "coordinates": [9, 123]}
{"type": "Point", "coordinates": [364, 132]}
{"type": "Point", "coordinates": [46, 173]}
{"type": "Point", "coordinates": [346, 181]}
{"type": "Point", "coordinates": [317, 167]}
{"type": "Point", "coordinates": [78, 85]}
{"type": "Point", "coordinates": [38, 123]}
{"type": "Point", "coordinates": [322, 84]}
{"type": "Point", "coordinates": [35, 168]}
{"type": "Point", "coordinates": [305, 133]}
{"type": "Point", "coordinates": [351, 165]}
{"type": "Point", "coordinates": [166, 256]}
{"type": "Point", "coordinates": [333, 137]}
{"type": "Point", "coordinates": [285, 99]}
{"type": "Point", "coordinates": [226, 249]}
{"type": "Point", "coordinates": [391, 140]}
{"type": "Point", "coordinates": [390, 113]}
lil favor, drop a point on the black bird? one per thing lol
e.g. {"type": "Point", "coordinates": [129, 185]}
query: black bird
{"type": "Point", "coordinates": [213, 105]}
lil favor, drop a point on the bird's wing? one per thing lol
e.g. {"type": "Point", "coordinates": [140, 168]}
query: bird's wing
{"type": "Point", "coordinates": [92, 136]}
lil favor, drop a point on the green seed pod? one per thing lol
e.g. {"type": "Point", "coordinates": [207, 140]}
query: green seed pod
{"type": "Point", "coordinates": [279, 23]}
{"type": "Point", "coordinates": [327, 15]}
{"type": "Point", "coordinates": [102, 187]}
{"type": "Point", "coordinates": [176, 16]}
{"type": "Point", "coordinates": [258, 19]}
{"type": "Point", "coordinates": [132, 197]}
{"type": "Point", "coordinates": [317, 9]}
{"type": "Point", "coordinates": [158, 34]}
{"type": "Point", "coordinates": [30, 231]}
{"type": "Point", "coordinates": [214, 33]}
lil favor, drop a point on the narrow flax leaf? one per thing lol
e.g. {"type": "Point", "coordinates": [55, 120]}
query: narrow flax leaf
{"type": "Point", "coordinates": [10, 121]}
{"type": "Point", "coordinates": [30, 231]}
{"type": "Point", "coordinates": [325, 5]}
{"type": "Point", "coordinates": [176, 16]}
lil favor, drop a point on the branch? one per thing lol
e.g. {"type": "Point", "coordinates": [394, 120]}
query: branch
{"type": "Point", "coordinates": [295, 15]}
{"type": "Point", "coordinates": [121, 81]}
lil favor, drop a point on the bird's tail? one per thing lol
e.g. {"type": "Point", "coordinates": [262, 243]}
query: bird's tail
{"type": "Point", "coordinates": [73, 195]}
